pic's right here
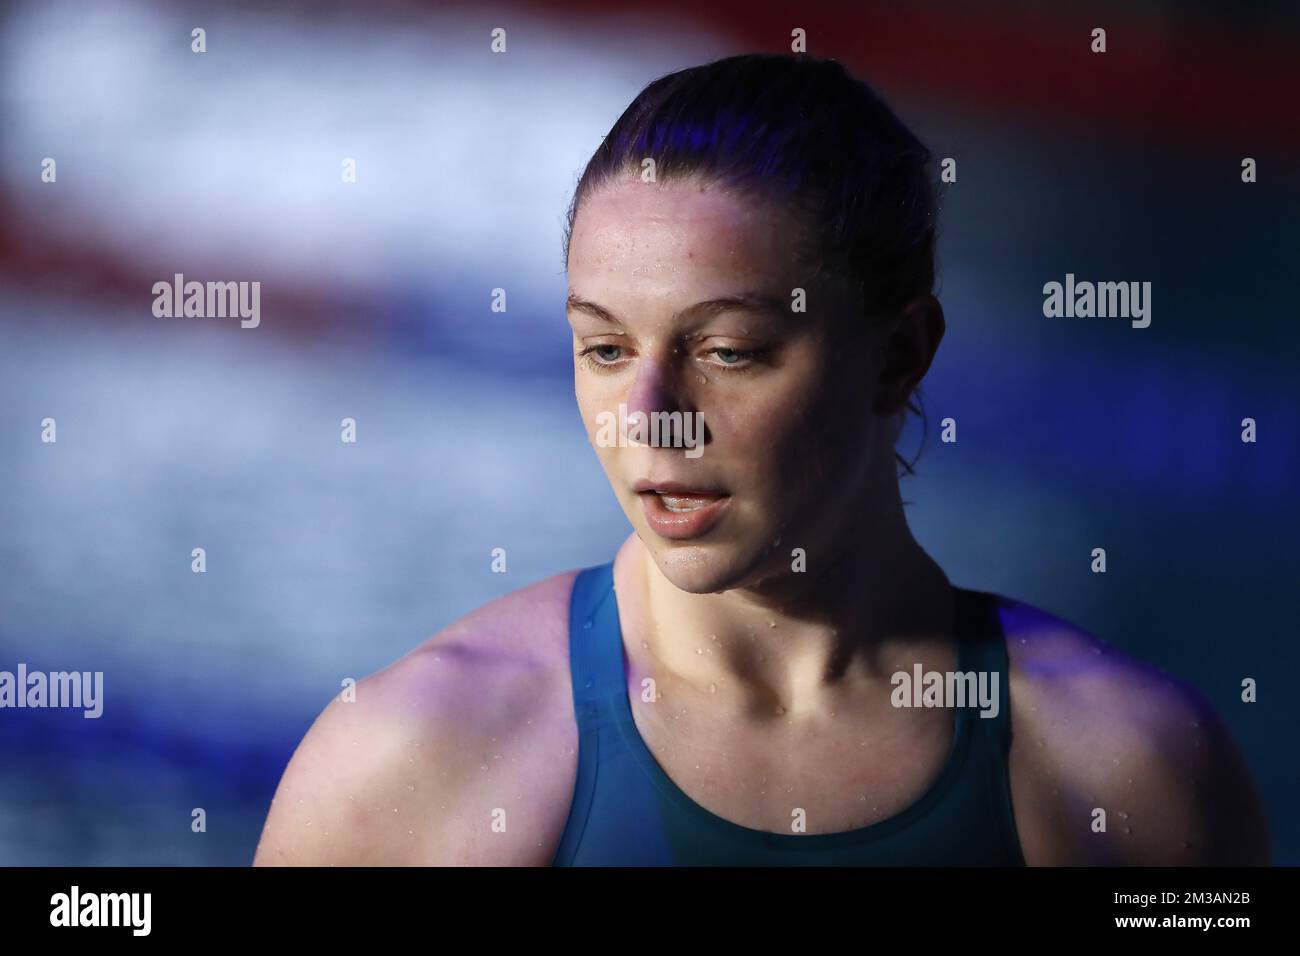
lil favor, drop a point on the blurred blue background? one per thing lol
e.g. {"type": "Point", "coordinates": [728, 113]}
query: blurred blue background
{"type": "Point", "coordinates": [328, 560]}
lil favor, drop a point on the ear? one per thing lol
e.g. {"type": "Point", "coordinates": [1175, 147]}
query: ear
{"type": "Point", "coordinates": [910, 342]}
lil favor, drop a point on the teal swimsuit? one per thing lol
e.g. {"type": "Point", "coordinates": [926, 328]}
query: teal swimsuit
{"type": "Point", "coordinates": [626, 811]}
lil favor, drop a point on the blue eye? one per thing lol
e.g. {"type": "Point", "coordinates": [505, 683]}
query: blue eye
{"type": "Point", "coordinates": [605, 353]}
{"type": "Point", "coordinates": [737, 360]}
{"type": "Point", "coordinates": [602, 357]}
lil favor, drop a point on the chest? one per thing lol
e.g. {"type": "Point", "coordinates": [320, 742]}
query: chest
{"type": "Point", "coordinates": [829, 771]}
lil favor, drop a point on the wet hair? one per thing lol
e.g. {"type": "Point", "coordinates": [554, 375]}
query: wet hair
{"type": "Point", "coordinates": [800, 130]}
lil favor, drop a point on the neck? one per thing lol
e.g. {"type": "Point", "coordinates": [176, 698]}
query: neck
{"type": "Point", "coordinates": [795, 641]}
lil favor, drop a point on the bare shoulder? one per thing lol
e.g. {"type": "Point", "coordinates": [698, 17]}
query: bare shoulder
{"type": "Point", "coordinates": [461, 752]}
{"type": "Point", "coordinates": [1103, 739]}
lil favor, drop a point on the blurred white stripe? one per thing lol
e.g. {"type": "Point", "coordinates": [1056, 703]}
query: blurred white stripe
{"type": "Point", "coordinates": [466, 159]}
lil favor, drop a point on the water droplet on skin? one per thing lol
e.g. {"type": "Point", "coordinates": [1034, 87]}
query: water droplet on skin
{"type": "Point", "coordinates": [410, 833]}
{"type": "Point", "coordinates": [780, 710]}
{"type": "Point", "coordinates": [644, 644]}
{"type": "Point", "coordinates": [699, 650]}
{"type": "Point", "coordinates": [1122, 815]}
{"type": "Point", "coordinates": [482, 766]}
{"type": "Point", "coordinates": [713, 637]}
{"type": "Point", "coordinates": [410, 786]}
{"type": "Point", "coordinates": [1128, 829]}
{"type": "Point", "coordinates": [703, 380]}
{"type": "Point", "coordinates": [1130, 779]}
{"type": "Point", "coordinates": [771, 623]}
{"type": "Point", "coordinates": [713, 688]}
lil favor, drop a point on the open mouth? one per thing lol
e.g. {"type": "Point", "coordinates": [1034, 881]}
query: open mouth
{"type": "Point", "coordinates": [677, 513]}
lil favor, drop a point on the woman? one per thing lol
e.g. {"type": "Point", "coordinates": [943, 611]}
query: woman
{"type": "Point", "coordinates": [768, 671]}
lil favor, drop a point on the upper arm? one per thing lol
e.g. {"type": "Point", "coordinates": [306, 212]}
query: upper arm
{"type": "Point", "coordinates": [325, 807]}
{"type": "Point", "coordinates": [379, 780]}
{"type": "Point", "coordinates": [1190, 797]}
{"type": "Point", "coordinates": [1122, 764]}
{"type": "Point", "coordinates": [454, 754]}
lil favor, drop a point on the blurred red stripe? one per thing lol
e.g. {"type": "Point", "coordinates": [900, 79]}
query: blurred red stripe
{"type": "Point", "coordinates": [1179, 77]}
{"type": "Point", "coordinates": [1191, 81]}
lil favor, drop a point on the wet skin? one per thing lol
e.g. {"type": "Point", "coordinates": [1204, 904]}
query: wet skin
{"type": "Point", "coordinates": [790, 705]}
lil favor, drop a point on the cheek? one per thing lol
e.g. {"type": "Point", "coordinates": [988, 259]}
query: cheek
{"type": "Point", "coordinates": [763, 431]}
{"type": "Point", "coordinates": [593, 400]}
{"type": "Point", "coordinates": [587, 403]}
{"type": "Point", "coordinates": [787, 433]}
{"type": "Point", "coordinates": [594, 396]}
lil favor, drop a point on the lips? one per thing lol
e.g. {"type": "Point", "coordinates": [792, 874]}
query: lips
{"type": "Point", "coordinates": [680, 512]}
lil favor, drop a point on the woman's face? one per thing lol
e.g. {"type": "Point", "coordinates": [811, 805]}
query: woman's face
{"type": "Point", "coordinates": [790, 444]}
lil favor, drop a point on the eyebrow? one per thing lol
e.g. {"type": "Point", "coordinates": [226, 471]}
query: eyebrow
{"type": "Point", "coordinates": [744, 302]}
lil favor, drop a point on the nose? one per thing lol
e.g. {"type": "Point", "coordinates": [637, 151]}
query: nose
{"type": "Point", "coordinates": [658, 391]}
{"type": "Point", "coordinates": [653, 389]}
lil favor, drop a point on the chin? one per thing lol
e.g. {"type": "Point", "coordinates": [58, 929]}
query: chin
{"type": "Point", "coordinates": [700, 568]}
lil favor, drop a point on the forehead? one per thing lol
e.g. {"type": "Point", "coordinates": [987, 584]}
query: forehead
{"type": "Point", "coordinates": [681, 229]}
